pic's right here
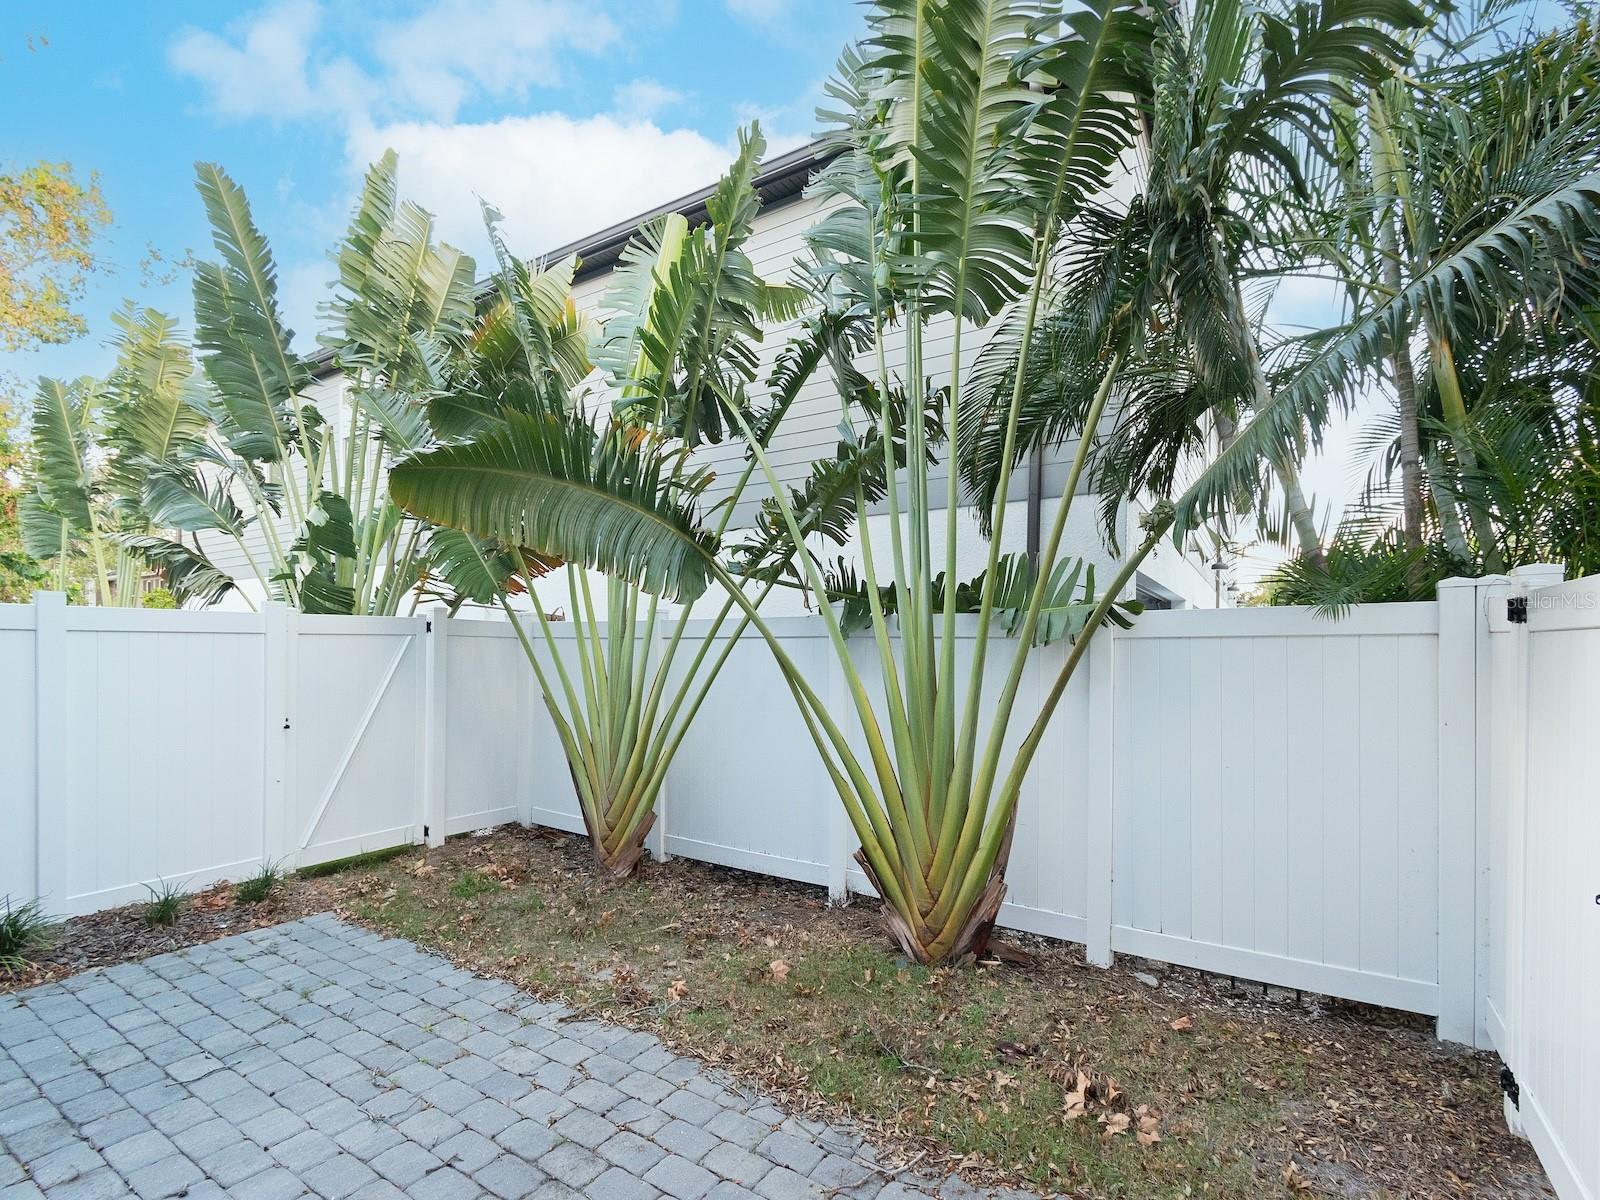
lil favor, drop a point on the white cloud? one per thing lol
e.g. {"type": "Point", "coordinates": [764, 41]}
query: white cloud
{"type": "Point", "coordinates": [554, 177]}
{"type": "Point", "coordinates": [454, 49]}
{"type": "Point", "coordinates": [766, 13]}
{"type": "Point", "coordinates": [642, 99]}
{"type": "Point", "coordinates": [266, 70]}
{"type": "Point", "coordinates": [429, 64]}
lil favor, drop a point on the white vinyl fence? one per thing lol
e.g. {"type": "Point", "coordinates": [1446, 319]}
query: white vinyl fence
{"type": "Point", "coordinates": [1398, 807]}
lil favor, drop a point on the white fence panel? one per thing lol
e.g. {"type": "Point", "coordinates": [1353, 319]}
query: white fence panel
{"type": "Point", "coordinates": [1277, 799]}
{"type": "Point", "coordinates": [158, 774]}
{"type": "Point", "coordinates": [1550, 994]}
{"type": "Point", "coordinates": [747, 789]}
{"type": "Point", "coordinates": [488, 726]}
{"type": "Point", "coordinates": [18, 743]}
{"type": "Point", "coordinates": [358, 752]}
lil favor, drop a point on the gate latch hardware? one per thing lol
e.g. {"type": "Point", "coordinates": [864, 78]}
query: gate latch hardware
{"type": "Point", "coordinates": [1508, 1085]}
{"type": "Point", "coordinates": [1517, 610]}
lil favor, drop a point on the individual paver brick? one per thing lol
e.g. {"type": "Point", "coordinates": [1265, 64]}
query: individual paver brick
{"type": "Point", "coordinates": [730, 1191]}
{"type": "Point", "coordinates": [68, 1162]}
{"type": "Point", "coordinates": [836, 1171]}
{"type": "Point", "coordinates": [236, 1163]}
{"type": "Point", "coordinates": [617, 1184]}
{"type": "Point", "coordinates": [573, 1165]}
{"type": "Point", "coordinates": [738, 1128]}
{"type": "Point", "coordinates": [338, 1176]}
{"type": "Point", "coordinates": [645, 1087]}
{"type": "Point", "coordinates": [404, 1164]}
{"type": "Point", "coordinates": [585, 1128]}
{"type": "Point", "coordinates": [446, 1183]}
{"type": "Point", "coordinates": [451, 1095]}
{"type": "Point", "coordinates": [597, 1097]}
{"type": "Point", "coordinates": [429, 1127]}
{"type": "Point", "coordinates": [789, 1151]}
{"type": "Point", "coordinates": [686, 1140]}
{"type": "Point", "coordinates": [271, 1127]}
{"type": "Point", "coordinates": [368, 1139]}
{"type": "Point", "coordinates": [685, 1105]}
{"type": "Point", "coordinates": [305, 1150]}
{"type": "Point", "coordinates": [631, 1152]}
{"type": "Point", "coordinates": [510, 1177]}
{"type": "Point", "coordinates": [783, 1184]}
{"type": "Point", "coordinates": [170, 1177]}
{"type": "Point", "coordinates": [527, 1138]}
{"type": "Point", "coordinates": [275, 1183]}
{"type": "Point", "coordinates": [488, 1117]}
{"type": "Point", "coordinates": [736, 1163]}
{"type": "Point", "coordinates": [678, 1176]}
{"type": "Point", "coordinates": [104, 1184]}
{"type": "Point", "coordinates": [467, 1151]}
{"type": "Point", "coordinates": [140, 1150]}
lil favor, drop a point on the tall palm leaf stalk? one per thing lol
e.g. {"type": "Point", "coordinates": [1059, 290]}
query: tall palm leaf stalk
{"type": "Point", "coordinates": [555, 481]}
{"type": "Point", "coordinates": [959, 190]}
{"type": "Point", "coordinates": [165, 467]}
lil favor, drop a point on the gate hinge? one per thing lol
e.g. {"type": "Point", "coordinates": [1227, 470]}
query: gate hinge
{"type": "Point", "coordinates": [429, 629]}
{"type": "Point", "coordinates": [286, 722]}
{"type": "Point", "coordinates": [424, 831]}
{"type": "Point", "coordinates": [1508, 1085]}
{"type": "Point", "coordinates": [1517, 610]}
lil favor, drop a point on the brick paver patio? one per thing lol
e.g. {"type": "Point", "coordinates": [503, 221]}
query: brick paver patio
{"type": "Point", "coordinates": [318, 1058]}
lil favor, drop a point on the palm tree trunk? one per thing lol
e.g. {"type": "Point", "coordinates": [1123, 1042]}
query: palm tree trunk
{"type": "Point", "coordinates": [1300, 514]}
{"type": "Point", "coordinates": [1454, 406]}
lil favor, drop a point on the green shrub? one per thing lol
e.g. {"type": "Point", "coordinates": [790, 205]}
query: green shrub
{"type": "Point", "coordinates": [24, 928]}
{"type": "Point", "coordinates": [158, 598]}
{"type": "Point", "coordinates": [165, 902]}
{"type": "Point", "coordinates": [259, 886]}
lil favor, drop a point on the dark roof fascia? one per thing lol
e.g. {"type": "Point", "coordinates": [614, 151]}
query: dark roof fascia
{"type": "Point", "coordinates": [778, 182]}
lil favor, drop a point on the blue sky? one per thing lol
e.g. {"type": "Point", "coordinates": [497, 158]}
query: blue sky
{"type": "Point", "coordinates": [568, 115]}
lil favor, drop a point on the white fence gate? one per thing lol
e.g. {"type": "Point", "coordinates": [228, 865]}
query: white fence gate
{"type": "Point", "coordinates": [1544, 983]}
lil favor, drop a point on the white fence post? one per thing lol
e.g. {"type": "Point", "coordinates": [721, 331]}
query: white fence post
{"type": "Point", "coordinates": [1101, 780]}
{"type": "Point", "coordinates": [275, 655]}
{"type": "Point", "coordinates": [50, 756]}
{"type": "Point", "coordinates": [1466, 700]}
{"type": "Point", "coordinates": [435, 725]}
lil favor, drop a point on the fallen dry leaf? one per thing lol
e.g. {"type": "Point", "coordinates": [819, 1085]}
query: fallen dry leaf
{"type": "Point", "coordinates": [677, 990]}
{"type": "Point", "coordinates": [1115, 1123]}
{"type": "Point", "coordinates": [1147, 1129]}
{"type": "Point", "coordinates": [1182, 1025]}
{"type": "Point", "coordinates": [779, 969]}
{"type": "Point", "coordinates": [1293, 1180]}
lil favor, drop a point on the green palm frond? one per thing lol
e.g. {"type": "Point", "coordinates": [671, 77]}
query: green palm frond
{"type": "Point", "coordinates": [150, 425]}
{"type": "Point", "coordinates": [601, 499]}
{"type": "Point", "coordinates": [182, 500]}
{"type": "Point", "coordinates": [187, 573]}
{"type": "Point", "coordinates": [245, 347]}
{"type": "Point", "coordinates": [60, 440]}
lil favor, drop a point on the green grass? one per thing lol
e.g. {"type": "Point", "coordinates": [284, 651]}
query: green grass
{"type": "Point", "coordinates": [259, 886]}
{"type": "Point", "coordinates": [473, 884]}
{"type": "Point", "coordinates": [166, 902]}
{"type": "Point", "coordinates": [370, 858]}
{"type": "Point", "coordinates": [24, 929]}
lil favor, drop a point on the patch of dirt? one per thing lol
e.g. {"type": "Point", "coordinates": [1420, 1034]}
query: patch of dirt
{"type": "Point", "coordinates": [1144, 1080]}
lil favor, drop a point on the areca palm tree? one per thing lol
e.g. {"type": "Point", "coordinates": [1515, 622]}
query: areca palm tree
{"type": "Point", "coordinates": [1490, 139]}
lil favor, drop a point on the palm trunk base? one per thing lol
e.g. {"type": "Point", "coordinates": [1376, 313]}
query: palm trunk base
{"type": "Point", "coordinates": [973, 939]}
{"type": "Point", "coordinates": [623, 862]}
